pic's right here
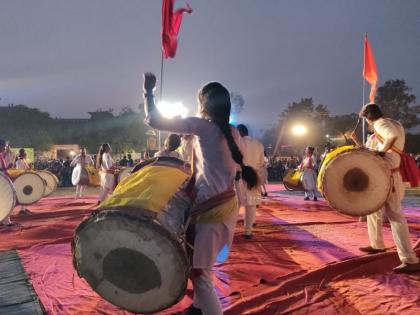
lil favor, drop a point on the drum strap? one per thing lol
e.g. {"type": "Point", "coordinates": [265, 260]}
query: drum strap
{"type": "Point", "coordinates": [393, 148]}
{"type": "Point", "coordinates": [213, 202]}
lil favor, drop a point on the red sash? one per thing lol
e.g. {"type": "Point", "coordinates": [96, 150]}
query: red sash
{"type": "Point", "coordinates": [408, 166]}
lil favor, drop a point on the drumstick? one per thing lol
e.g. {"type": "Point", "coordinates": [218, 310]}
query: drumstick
{"type": "Point", "coordinates": [357, 124]}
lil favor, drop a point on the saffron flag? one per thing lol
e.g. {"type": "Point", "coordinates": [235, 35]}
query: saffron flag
{"type": "Point", "coordinates": [171, 22]}
{"type": "Point", "coordinates": [370, 72]}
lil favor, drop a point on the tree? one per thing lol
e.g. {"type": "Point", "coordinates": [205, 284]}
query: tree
{"type": "Point", "coordinates": [342, 125]}
{"type": "Point", "coordinates": [397, 102]}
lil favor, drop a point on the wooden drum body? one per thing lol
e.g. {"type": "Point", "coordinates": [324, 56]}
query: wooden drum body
{"type": "Point", "coordinates": [292, 180]}
{"type": "Point", "coordinates": [354, 181]}
{"type": "Point", "coordinates": [7, 197]}
{"type": "Point", "coordinates": [29, 186]}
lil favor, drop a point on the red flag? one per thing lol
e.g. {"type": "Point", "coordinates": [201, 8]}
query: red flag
{"type": "Point", "coordinates": [370, 72]}
{"type": "Point", "coordinates": [171, 22]}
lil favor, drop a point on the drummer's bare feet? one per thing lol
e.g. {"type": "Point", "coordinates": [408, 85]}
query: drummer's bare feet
{"type": "Point", "coordinates": [306, 198]}
{"type": "Point", "coordinates": [192, 310]}
{"type": "Point", "coordinates": [315, 199]}
{"type": "Point", "coordinates": [407, 268]}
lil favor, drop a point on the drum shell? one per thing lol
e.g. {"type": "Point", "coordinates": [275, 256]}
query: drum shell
{"type": "Point", "coordinates": [292, 180]}
{"type": "Point", "coordinates": [51, 181]}
{"type": "Point", "coordinates": [29, 184]}
{"type": "Point", "coordinates": [7, 197]}
{"type": "Point", "coordinates": [355, 181]}
{"type": "Point", "coordinates": [85, 176]}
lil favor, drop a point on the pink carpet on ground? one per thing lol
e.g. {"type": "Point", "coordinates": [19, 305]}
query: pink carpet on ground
{"type": "Point", "coordinates": [303, 259]}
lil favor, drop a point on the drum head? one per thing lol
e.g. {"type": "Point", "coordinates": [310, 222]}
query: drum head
{"type": "Point", "coordinates": [79, 176]}
{"type": "Point", "coordinates": [29, 188]}
{"type": "Point", "coordinates": [50, 180]}
{"type": "Point", "coordinates": [356, 182]}
{"type": "Point", "coordinates": [132, 262]}
{"type": "Point", "coordinates": [7, 197]}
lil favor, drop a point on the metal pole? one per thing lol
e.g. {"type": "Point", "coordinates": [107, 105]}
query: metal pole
{"type": "Point", "coordinates": [160, 98]}
{"type": "Point", "coordinates": [363, 89]}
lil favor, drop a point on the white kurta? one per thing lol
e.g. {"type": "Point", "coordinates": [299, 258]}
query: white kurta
{"type": "Point", "coordinates": [253, 153]}
{"type": "Point", "coordinates": [107, 179]}
{"type": "Point", "coordinates": [162, 153]}
{"type": "Point", "coordinates": [21, 164]}
{"type": "Point", "coordinates": [83, 161]}
{"type": "Point", "coordinates": [308, 176]}
{"type": "Point", "coordinates": [387, 128]}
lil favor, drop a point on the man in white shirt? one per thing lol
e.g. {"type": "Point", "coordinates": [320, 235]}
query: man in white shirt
{"type": "Point", "coordinates": [253, 152]}
{"type": "Point", "coordinates": [390, 140]}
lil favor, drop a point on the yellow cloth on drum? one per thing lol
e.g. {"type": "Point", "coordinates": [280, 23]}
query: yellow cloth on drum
{"type": "Point", "coordinates": [293, 177]}
{"type": "Point", "coordinates": [218, 214]}
{"type": "Point", "coordinates": [94, 178]}
{"type": "Point", "coordinates": [14, 173]}
{"type": "Point", "coordinates": [149, 188]}
{"type": "Point", "coordinates": [328, 158]}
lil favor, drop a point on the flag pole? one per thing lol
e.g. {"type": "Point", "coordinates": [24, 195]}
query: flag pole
{"type": "Point", "coordinates": [363, 91]}
{"type": "Point", "coordinates": [160, 96]}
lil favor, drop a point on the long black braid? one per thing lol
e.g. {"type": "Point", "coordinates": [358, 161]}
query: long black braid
{"type": "Point", "coordinates": [215, 101]}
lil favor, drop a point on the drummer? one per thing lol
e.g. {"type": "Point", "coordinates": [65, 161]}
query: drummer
{"type": "Point", "coordinates": [390, 139]}
{"type": "Point", "coordinates": [83, 160]}
{"type": "Point", "coordinates": [106, 164]}
{"type": "Point", "coordinates": [172, 143]}
{"type": "Point", "coordinates": [309, 177]}
{"type": "Point", "coordinates": [21, 162]}
{"type": "Point", "coordinates": [214, 168]}
{"type": "Point", "coordinates": [4, 163]}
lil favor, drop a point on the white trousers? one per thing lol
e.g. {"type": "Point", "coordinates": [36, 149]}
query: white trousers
{"type": "Point", "coordinates": [205, 297]}
{"type": "Point", "coordinates": [399, 227]}
{"type": "Point", "coordinates": [79, 190]}
{"type": "Point", "coordinates": [250, 213]}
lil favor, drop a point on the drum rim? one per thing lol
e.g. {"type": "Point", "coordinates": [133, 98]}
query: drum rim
{"type": "Point", "coordinates": [385, 168]}
{"type": "Point", "coordinates": [287, 186]}
{"type": "Point", "coordinates": [31, 203]}
{"type": "Point", "coordinates": [53, 177]}
{"type": "Point", "coordinates": [13, 193]}
{"type": "Point", "coordinates": [156, 226]}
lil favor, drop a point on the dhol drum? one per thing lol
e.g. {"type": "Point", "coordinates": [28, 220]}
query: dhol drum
{"type": "Point", "coordinates": [354, 181]}
{"type": "Point", "coordinates": [131, 252]}
{"type": "Point", "coordinates": [86, 176]}
{"type": "Point", "coordinates": [7, 197]}
{"type": "Point", "coordinates": [51, 181]}
{"type": "Point", "coordinates": [29, 186]}
{"type": "Point", "coordinates": [292, 180]}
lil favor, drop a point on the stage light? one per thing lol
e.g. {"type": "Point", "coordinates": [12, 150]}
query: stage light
{"type": "Point", "coordinates": [72, 153]}
{"type": "Point", "coordinates": [171, 110]}
{"type": "Point", "coordinates": [299, 130]}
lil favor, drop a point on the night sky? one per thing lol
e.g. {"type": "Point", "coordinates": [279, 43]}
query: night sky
{"type": "Point", "coordinates": [70, 57]}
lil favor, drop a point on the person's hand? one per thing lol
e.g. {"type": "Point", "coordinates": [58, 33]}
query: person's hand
{"type": "Point", "coordinates": [149, 83]}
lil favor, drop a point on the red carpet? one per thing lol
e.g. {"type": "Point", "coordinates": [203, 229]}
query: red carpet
{"type": "Point", "coordinates": [302, 260]}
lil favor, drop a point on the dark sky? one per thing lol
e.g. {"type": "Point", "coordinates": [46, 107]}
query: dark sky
{"type": "Point", "coordinates": [70, 57]}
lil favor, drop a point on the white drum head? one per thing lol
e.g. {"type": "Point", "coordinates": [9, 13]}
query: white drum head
{"type": "Point", "coordinates": [132, 262]}
{"type": "Point", "coordinates": [124, 173]}
{"type": "Point", "coordinates": [7, 197]}
{"type": "Point", "coordinates": [356, 182]}
{"type": "Point", "coordinates": [29, 188]}
{"type": "Point", "coordinates": [50, 180]}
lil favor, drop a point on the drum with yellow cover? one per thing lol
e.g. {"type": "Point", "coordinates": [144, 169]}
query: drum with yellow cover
{"type": "Point", "coordinates": [292, 180]}
{"type": "Point", "coordinates": [354, 181]}
{"type": "Point", "coordinates": [86, 176]}
{"type": "Point", "coordinates": [131, 251]}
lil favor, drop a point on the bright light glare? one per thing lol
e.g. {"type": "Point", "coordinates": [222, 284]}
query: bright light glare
{"type": "Point", "coordinates": [299, 130]}
{"type": "Point", "coordinates": [72, 153]}
{"type": "Point", "coordinates": [171, 110]}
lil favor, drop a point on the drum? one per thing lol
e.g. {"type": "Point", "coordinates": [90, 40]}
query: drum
{"type": "Point", "coordinates": [291, 180]}
{"type": "Point", "coordinates": [124, 173]}
{"type": "Point", "coordinates": [354, 181]}
{"type": "Point", "coordinates": [7, 197]}
{"type": "Point", "coordinates": [86, 176]}
{"type": "Point", "coordinates": [29, 187]}
{"type": "Point", "coordinates": [51, 181]}
{"type": "Point", "coordinates": [132, 251]}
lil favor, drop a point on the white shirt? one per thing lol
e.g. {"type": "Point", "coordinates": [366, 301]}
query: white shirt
{"type": "Point", "coordinates": [21, 164]}
{"type": "Point", "coordinates": [167, 153]}
{"type": "Point", "coordinates": [107, 162]}
{"type": "Point", "coordinates": [78, 159]}
{"type": "Point", "coordinates": [388, 128]}
{"type": "Point", "coordinates": [214, 167]}
{"type": "Point", "coordinates": [253, 152]}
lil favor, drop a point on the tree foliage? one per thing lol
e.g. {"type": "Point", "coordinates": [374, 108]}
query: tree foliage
{"type": "Point", "coordinates": [397, 102]}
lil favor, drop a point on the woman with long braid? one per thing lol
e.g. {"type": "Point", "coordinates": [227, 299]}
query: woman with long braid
{"type": "Point", "coordinates": [217, 157]}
